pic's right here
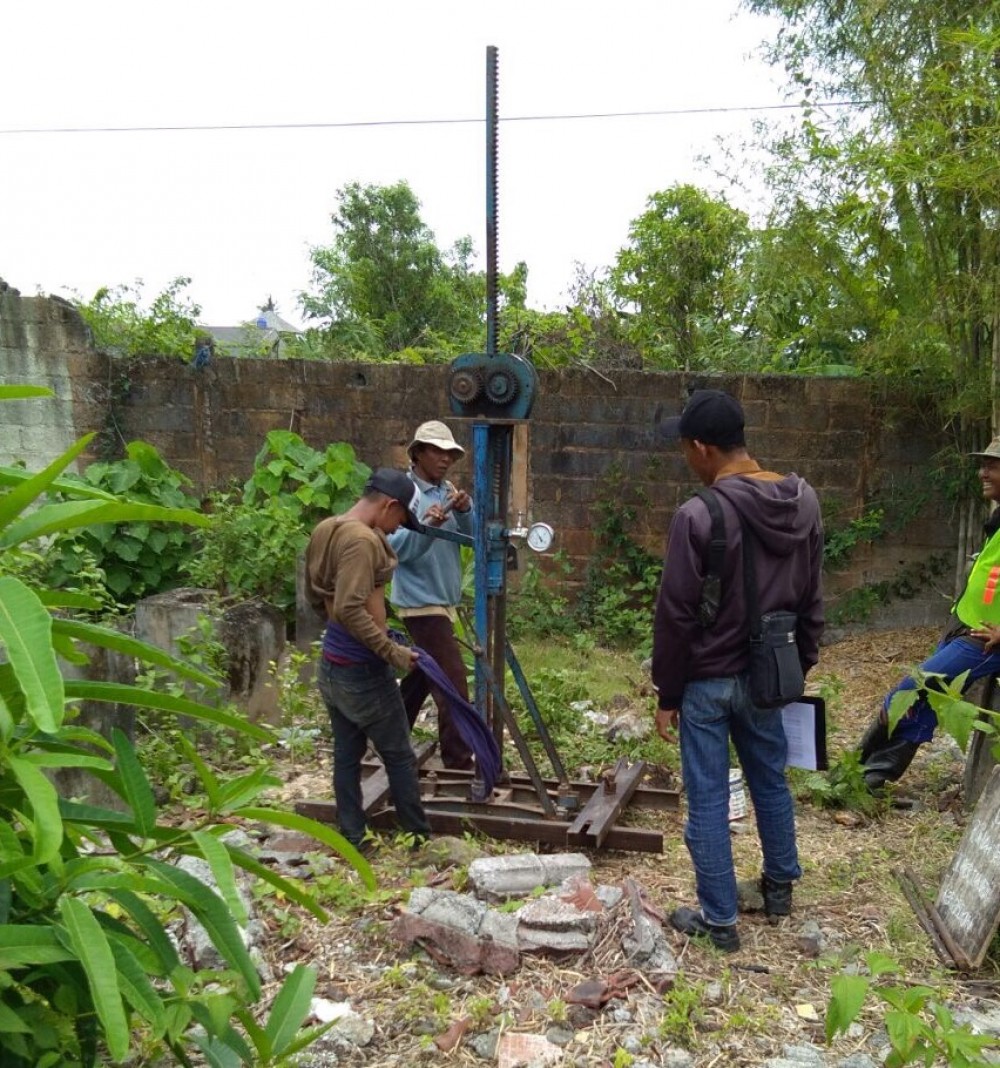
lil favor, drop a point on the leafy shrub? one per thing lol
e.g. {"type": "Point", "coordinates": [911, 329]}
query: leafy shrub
{"type": "Point", "coordinates": [621, 583]}
{"type": "Point", "coordinates": [921, 1030]}
{"type": "Point", "coordinates": [258, 534]}
{"type": "Point", "coordinates": [137, 559]}
{"type": "Point", "coordinates": [88, 973]}
{"type": "Point", "coordinates": [122, 326]}
{"type": "Point", "coordinates": [538, 607]}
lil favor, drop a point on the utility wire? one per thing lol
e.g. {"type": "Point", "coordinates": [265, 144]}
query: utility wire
{"type": "Point", "coordinates": [431, 122]}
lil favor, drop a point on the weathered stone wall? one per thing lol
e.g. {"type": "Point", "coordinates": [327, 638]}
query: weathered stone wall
{"type": "Point", "coordinates": [40, 338]}
{"type": "Point", "coordinates": [590, 437]}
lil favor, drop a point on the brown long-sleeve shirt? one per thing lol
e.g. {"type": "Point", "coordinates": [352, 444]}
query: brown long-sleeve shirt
{"type": "Point", "coordinates": [348, 564]}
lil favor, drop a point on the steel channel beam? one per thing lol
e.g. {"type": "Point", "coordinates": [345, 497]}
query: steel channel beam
{"type": "Point", "coordinates": [453, 782]}
{"type": "Point", "coordinates": [595, 822]}
{"type": "Point", "coordinates": [508, 828]}
{"type": "Point", "coordinates": [521, 791]}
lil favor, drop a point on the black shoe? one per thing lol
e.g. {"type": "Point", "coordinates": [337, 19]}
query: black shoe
{"type": "Point", "coordinates": [694, 925]}
{"type": "Point", "coordinates": [777, 898]}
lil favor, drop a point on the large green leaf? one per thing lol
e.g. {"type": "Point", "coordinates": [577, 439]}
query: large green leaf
{"type": "Point", "coordinates": [53, 518]}
{"type": "Point", "coordinates": [47, 825]}
{"type": "Point", "coordinates": [288, 887]}
{"type": "Point", "coordinates": [108, 638]}
{"type": "Point", "coordinates": [14, 476]}
{"type": "Point", "coordinates": [15, 391]}
{"type": "Point", "coordinates": [98, 961]}
{"type": "Point", "coordinates": [67, 758]}
{"type": "Point", "coordinates": [320, 831]}
{"type": "Point", "coordinates": [245, 788]}
{"type": "Point", "coordinates": [138, 792]}
{"type": "Point", "coordinates": [212, 914]}
{"type": "Point", "coordinates": [11, 1022]}
{"type": "Point", "coordinates": [144, 918]}
{"type": "Point", "coordinates": [26, 631]}
{"type": "Point", "coordinates": [138, 991]}
{"type": "Point", "coordinates": [68, 599]}
{"type": "Point", "coordinates": [12, 504]}
{"type": "Point", "coordinates": [290, 1007]}
{"type": "Point", "coordinates": [30, 944]}
{"type": "Point", "coordinates": [222, 868]}
{"type": "Point", "coordinates": [119, 693]}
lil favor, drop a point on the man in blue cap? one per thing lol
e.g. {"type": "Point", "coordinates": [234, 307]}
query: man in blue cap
{"type": "Point", "coordinates": [700, 668]}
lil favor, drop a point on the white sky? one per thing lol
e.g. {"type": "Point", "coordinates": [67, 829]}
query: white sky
{"type": "Point", "coordinates": [237, 210]}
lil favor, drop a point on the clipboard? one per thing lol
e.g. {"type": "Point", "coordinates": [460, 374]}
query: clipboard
{"type": "Point", "coordinates": [804, 722]}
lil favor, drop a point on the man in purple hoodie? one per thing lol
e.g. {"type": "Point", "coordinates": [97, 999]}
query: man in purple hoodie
{"type": "Point", "coordinates": [700, 671]}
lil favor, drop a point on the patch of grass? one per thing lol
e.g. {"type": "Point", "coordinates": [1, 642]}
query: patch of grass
{"type": "Point", "coordinates": [681, 1012]}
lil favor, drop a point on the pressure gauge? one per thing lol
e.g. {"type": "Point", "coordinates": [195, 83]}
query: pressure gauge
{"type": "Point", "coordinates": [540, 537]}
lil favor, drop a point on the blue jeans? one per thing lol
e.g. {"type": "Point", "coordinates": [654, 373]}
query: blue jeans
{"type": "Point", "coordinates": [950, 659]}
{"type": "Point", "coordinates": [365, 704]}
{"type": "Point", "coordinates": [712, 712]}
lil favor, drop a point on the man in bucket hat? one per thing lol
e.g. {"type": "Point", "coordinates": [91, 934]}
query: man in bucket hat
{"type": "Point", "coordinates": [427, 585]}
{"type": "Point", "coordinates": [971, 643]}
{"type": "Point", "coordinates": [348, 563]}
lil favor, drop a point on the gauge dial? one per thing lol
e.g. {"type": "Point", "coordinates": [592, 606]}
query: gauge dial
{"type": "Point", "coordinates": [540, 537]}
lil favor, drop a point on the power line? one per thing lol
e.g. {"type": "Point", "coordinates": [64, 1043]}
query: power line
{"type": "Point", "coordinates": [431, 122]}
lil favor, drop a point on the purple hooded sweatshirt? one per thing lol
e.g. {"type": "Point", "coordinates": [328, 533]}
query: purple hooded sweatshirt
{"type": "Point", "coordinates": [784, 514]}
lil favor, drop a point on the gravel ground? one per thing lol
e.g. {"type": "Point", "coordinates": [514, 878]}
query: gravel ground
{"type": "Point", "coordinates": [748, 1007]}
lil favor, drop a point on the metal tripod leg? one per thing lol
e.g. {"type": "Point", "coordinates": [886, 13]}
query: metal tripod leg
{"type": "Point", "coordinates": [510, 722]}
{"type": "Point", "coordinates": [536, 717]}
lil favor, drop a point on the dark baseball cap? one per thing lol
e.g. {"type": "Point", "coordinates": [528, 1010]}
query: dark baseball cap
{"type": "Point", "coordinates": [400, 487]}
{"type": "Point", "coordinates": [710, 416]}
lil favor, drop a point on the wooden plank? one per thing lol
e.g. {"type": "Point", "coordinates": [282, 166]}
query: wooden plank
{"type": "Point", "coordinates": [968, 900]}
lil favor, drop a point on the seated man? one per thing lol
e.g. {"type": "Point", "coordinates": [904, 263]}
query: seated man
{"type": "Point", "coordinates": [971, 643]}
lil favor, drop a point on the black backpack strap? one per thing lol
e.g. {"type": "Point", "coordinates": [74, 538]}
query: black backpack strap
{"type": "Point", "coordinates": [712, 560]}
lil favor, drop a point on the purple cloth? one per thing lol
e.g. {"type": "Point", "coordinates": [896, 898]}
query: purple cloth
{"type": "Point", "coordinates": [339, 644]}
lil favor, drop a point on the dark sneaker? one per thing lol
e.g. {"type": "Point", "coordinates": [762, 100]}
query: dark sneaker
{"type": "Point", "coordinates": [694, 925]}
{"type": "Point", "coordinates": [777, 898]}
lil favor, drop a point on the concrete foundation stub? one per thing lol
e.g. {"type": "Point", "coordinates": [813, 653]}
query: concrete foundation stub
{"type": "Point", "coordinates": [251, 632]}
{"type": "Point", "coordinates": [104, 665]}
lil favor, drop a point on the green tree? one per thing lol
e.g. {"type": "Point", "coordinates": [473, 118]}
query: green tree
{"type": "Point", "coordinates": [922, 156]}
{"type": "Point", "coordinates": [383, 285]}
{"type": "Point", "coordinates": [679, 276]}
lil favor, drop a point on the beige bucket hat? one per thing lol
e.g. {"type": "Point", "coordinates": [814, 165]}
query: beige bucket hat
{"type": "Point", "coordinates": [991, 452]}
{"type": "Point", "coordinates": [434, 433]}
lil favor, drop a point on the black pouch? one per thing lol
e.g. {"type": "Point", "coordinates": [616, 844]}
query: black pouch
{"type": "Point", "coordinates": [775, 669]}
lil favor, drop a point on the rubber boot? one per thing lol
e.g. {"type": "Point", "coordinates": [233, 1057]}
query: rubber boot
{"type": "Point", "coordinates": [873, 739]}
{"type": "Point", "coordinates": [887, 762]}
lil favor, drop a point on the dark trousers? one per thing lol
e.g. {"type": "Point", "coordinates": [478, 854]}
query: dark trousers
{"type": "Point", "coordinates": [364, 704]}
{"type": "Point", "coordinates": [436, 635]}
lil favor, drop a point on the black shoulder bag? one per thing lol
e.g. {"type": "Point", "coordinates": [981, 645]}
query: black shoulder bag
{"type": "Point", "coordinates": [776, 676]}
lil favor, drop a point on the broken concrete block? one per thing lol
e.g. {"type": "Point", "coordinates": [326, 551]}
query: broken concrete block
{"type": "Point", "coordinates": [516, 875]}
{"type": "Point", "coordinates": [459, 931]}
{"type": "Point", "coordinates": [550, 925]}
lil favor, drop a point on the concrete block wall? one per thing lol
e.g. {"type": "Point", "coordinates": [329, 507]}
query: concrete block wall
{"type": "Point", "coordinates": [39, 339]}
{"type": "Point", "coordinates": [590, 437]}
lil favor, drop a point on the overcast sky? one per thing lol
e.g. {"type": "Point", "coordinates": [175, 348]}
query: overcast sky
{"type": "Point", "coordinates": [237, 210]}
